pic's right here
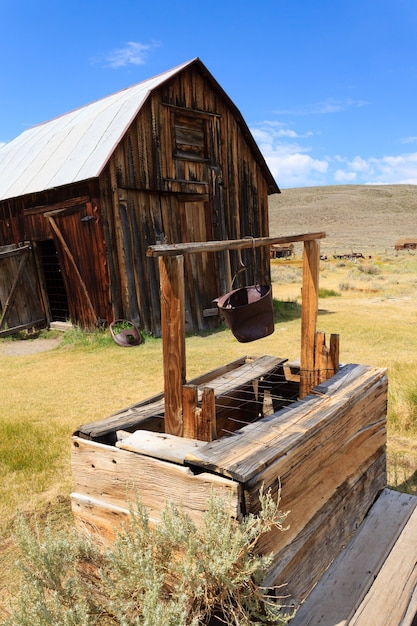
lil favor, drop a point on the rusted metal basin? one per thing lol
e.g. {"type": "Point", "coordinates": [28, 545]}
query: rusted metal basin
{"type": "Point", "coordinates": [248, 312]}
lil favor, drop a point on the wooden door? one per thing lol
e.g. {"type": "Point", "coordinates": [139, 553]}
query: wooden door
{"type": "Point", "coordinates": [77, 235]}
{"type": "Point", "coordinates": [21, 300]}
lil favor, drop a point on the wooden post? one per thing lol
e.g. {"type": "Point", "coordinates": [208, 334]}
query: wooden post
{"type": "Point", "coordinates": [173, 340]}
{"type": "Point", "coordinates": [309, 304]}
{"type": "Point", "coordinates": [190, 400]}
{"type": "Point", "coordinates": [321, 359]}
{"type": "Point", "coordinates": [207, 430]}
{"type": "Point", "coordinates": [334, 353]}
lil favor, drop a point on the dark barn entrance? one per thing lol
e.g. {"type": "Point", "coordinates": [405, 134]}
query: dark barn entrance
{"type": "Point", "coordinates": [54, 282]}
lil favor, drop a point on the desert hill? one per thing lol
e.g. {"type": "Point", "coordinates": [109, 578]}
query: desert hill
{"type": "Point", "coordinates": [358, 218]}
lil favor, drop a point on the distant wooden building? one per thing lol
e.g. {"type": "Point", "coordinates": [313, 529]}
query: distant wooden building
{"type": "Point", "coordinates": [281, 251]}
{"type": "Point", "coordinates": [406, 244]}
{"type": "Point", "coordinates": [83, 196]}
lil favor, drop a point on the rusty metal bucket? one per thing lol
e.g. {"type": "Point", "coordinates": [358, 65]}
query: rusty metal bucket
{"type": "Point", "coordinates": [248, 312]}
{"type": "Point", "coordinates": [125, 333]}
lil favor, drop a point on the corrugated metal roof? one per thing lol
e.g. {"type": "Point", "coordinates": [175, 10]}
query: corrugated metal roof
{"type": "Point", "coordinates": [75, 146]}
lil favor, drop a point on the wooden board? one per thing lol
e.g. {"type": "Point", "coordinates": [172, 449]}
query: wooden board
{"type": "Point", "coordinates": [391, 601]}
{"type": "Point", "coordinates": [352, 574]}
{"type": "Point", "coordinates": [252, 370]}
{"type": "Point", "coordinates": [97, 517]}
{"type": "Point", "coordinates": [159, 445]}
{"type": "Point", "coordinates": [114, 476]}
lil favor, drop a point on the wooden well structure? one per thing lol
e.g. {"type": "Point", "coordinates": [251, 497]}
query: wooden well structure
{"type": "Point", "coordinates": [315, 428]}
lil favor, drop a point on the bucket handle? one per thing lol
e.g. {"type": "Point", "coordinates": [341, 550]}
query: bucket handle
{"type": "Point", "coordinates": [243, 267]}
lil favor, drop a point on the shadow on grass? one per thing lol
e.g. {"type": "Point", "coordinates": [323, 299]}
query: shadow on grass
{"type": "Point", "coordinates": [286, 311]}
{"type": "Point", "coordinates": [409, 485]}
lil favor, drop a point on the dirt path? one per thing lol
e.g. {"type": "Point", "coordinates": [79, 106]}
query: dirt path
{"type": "Point", "coordinates": [27, 346]}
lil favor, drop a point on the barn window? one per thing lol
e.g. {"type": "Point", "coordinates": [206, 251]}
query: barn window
{"type": "Point", "coordinates": [190, 137]}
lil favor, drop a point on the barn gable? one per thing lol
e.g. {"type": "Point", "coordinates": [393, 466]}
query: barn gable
{"type": "Point", "coordinates": [168, 160]}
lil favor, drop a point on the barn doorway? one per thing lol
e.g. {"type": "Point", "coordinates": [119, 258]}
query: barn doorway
{"type": "Point", "coordinates": [54, 282]}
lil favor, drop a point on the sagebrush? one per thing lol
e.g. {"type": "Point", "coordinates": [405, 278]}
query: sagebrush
{"type": "Point", "coordinates": [170, 574]}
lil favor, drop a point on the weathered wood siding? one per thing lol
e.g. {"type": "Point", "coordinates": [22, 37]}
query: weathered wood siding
{"type": "Point", "coordinates": [71, 217]}
{"type": "Point", "coordinates": [183, 172]}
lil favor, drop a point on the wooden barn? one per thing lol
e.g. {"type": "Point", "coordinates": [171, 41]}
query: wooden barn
{"type": "Point", "coordinates": [82, 197]}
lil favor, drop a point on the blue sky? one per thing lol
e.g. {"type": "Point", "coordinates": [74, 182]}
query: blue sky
{"type": "Point", "coordinates": [327, 87]}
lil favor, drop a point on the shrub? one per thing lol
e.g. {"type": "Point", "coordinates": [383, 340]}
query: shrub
{"type": "Point", "coordinates": [327, 293]}
{"type": "Point", "coordinates": [368, 268]}
{"type": "Point", "coordinates": [173, 574]}
{"type": "Point", "coordinates": [345, 286]}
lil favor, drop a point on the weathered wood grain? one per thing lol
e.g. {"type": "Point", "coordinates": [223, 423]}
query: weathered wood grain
{"type": "Point", "coordinates": [338, 596]}
{"type": "Point", "coordinates": [309, 304]}
{"type": "Point", "coordinates": [394, 589]}
{"type": "Point", "coordinates": [159, 445]}
{"type": "Point", "coordinates": [97, 517]}
{"type": "Point", "coordinates": [231, 244]}
{"type": "Point", "coordinates": [301, 563]}
{"type": "Point", "coordinates": [173, 340]}
{"type": "Point", "coordinates": [114, 476]}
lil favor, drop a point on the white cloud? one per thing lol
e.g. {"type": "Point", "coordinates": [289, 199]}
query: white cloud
{"type": "Point", "coordinates": [329, 105]}
{"type": "Point", "coordinates": [394, 170]}
{"type": "Point", "coordinates": [342, 177]}
{"type": "Point", "coordinates": [288, 161]}
{"type": "Point", "coordinates": [409, 140]}
{"type": "Point", "coordinates": [133, 53]}
{"type": "Point", "coordinates": [293, 164]}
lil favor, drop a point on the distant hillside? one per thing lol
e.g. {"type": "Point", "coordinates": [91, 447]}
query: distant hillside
{"type": "Point", "coordinates": [355, 218]}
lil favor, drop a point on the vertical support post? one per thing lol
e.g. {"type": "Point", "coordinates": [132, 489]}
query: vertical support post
{"type": "Point", "coordinates": [321, 361]}
{"type": "Point", "coordinates": [207, 430]}
{"type": "Point", "coordinates": [334, 353]}
{"type": "Point", "coordinates": [190, 409]}
{"type": "Point", "coordinates": [173, 340]}
{"type": "Point", "coordinates": [309, 304]}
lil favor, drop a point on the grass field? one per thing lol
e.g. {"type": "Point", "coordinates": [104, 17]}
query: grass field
{"type": "Point", "coordinates": [371, 303]}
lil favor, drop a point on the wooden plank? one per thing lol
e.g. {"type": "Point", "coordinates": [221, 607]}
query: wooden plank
{"type": "Point", "coordinates": [41, 323]}
{"type": "Point", "coordinates": [321, 358]}
{"type": "Point", "coordinates": [159, 445]}
{"type": "Point", "coordinates": [394, 588]}
{"type": "Point", "coordinates": [309, 304]}
{"type": "Point", "coordinates": [72, 262]}
{"type": "Point", "coordinates": [230, 244]}
{"type": "Point", "coordinates": [347, 581]}
{"type": "Point", "coordinates": [252, 370]}
{"type": "Point", "coordinates": [311, 483]}
{"type": "Point", "coordinates": [301, 562]}
{"type": "Point", "coordinates": [173, 340]}
{"type": "Point", "coordinates": [131, 418]}
{"type": "Point", "coordinates": [16, 285]}
{"type": "Point", "coordinates": [97, 516]}
{"type": "Point", "coordinates": [117, 476]}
